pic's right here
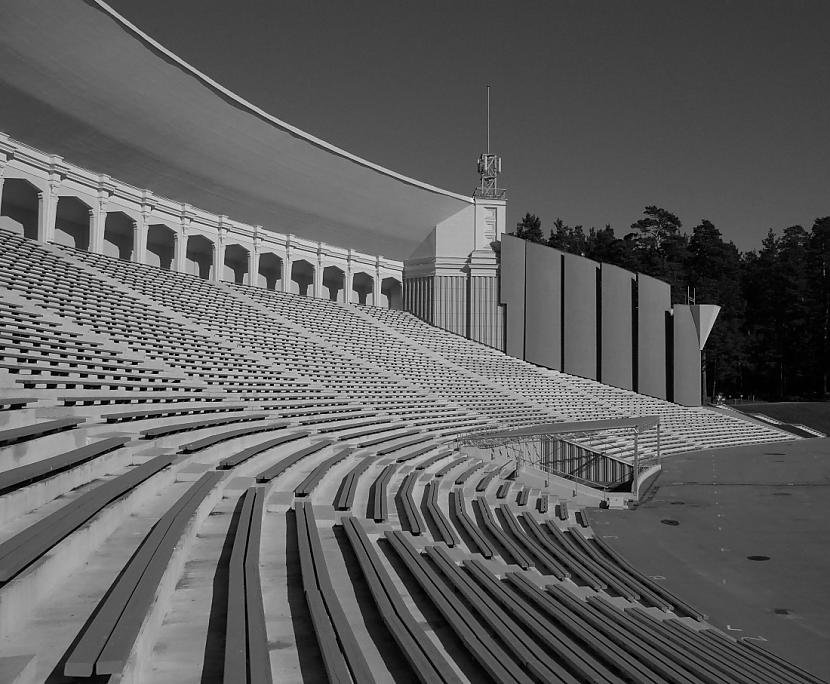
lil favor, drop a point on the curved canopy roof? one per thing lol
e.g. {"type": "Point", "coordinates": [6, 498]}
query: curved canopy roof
{"type": "Point", "coordinates": [79, 80]}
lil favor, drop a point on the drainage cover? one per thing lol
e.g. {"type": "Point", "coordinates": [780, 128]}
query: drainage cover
{"type": "Point", "coordinates": [781, 611]}
{"type": "Point", "coordinates": [668, 521]}
{"type": "Point", "coordinates": [758, 558]}
{"type": "Point", "coordinates": [678, 503]}
{"type": "Point", "coordinates": [782, 493]}
{"type": "Point", "coordinates": [774, 453]}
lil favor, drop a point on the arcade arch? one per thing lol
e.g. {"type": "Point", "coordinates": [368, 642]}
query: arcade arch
{"type": "Point", "coordinates": [235, 267]}
{"type": "Point", "coordinates": [302, 276]}
{"type": "Point", "coordinates": [161, 246]}
{"type": "Point", "coordinates": [391, 293]}
{"type": "Point", "coordinates": [119, 235]}
{"type": "Point", "coordinates": [362, 289]}
{"type": "Point", "coordinates": [334, 281]}
{"type": "Point", "coordinates": [199, 256]}
{"type": "Point", "coordinates": [72, 218]}
{"type": "Point", "coordinates": [269, 271]}
{"type": "Point", "coordinates": [20, 204]}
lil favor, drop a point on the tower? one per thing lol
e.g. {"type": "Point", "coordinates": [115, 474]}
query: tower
{"type": "Point", "coordinates": [489, 168]}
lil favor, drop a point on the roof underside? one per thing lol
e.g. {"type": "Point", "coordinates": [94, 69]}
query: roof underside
{"type": "Point", "coordinates": [78, 80]}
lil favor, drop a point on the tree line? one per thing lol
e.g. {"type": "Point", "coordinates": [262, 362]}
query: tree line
{"type": "Point", "coordinates": [772, 338]}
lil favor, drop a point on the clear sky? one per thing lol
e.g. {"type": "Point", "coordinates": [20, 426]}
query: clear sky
{"type": "Point", "coordinates": [717, 110]}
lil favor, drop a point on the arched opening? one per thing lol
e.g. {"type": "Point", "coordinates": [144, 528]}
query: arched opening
{"type": "Point", "coordinates": [361, 291]}
{"type": "Point", "coordinates": [20, 206]}
{"type": "Point", "coordinates": [119, 232]}
{"type": "Point", "coordinates": [236, 264]}
{"type": "Point", "coordinates": [72, 223]}
{"type": "Point", "coordinates": [269, 271]}
{"type": "Point", "coordinates": [334, 282]}
{"type": "Point", "coordinates": [161, 246]}
{"type": "Point", "coordinates": [391, 293]}
{"type": "Point", "coordinates": [302, 276]}
{"type": "Point", "coordinates": [199, 256]}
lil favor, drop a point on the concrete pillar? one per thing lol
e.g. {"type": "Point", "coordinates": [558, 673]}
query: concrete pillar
{"type": "Point", "coordinates": [218, 258]}
{"type": "Point", "coordinates": [180, 252]}
{"type": "Point", "coordinates": [376, 288]}
{"type": "Point", "coordinates": [140, 240]}
{"type": "Point", "coordinates": [318, 280]}
{"type": "Point", "coordinates": [253, 264]}
{"type": "Point", "coordinates": [47, 210]}
{"type": "Point", "coordinates": [97, 225]}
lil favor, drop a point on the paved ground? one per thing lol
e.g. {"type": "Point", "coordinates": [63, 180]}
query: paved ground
{"type": "Point", "coordinates": [814, 414]}
{"type": "Point", "coordinates": [708, 511]}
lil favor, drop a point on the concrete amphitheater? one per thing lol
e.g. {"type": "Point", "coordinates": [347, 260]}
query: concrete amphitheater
{"type": "Point", "coordinates": [215, 466]}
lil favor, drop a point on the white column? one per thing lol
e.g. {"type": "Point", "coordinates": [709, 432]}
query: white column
{"type": "Point", "coordinates": [140, 240]}
{"type": "Point", "coordinates": [285, 280]}
{"type": "Point", "coordinates": [347, 280]}
{"type": "Point", "coordinates": [218, 259]}
{"type": "Point", "coordinates": [253, 264]}
{"type": "Point", "coordinates": [180, 251]}
{"type": "Point", "coordinates": [47, 212]}
{"type": "Point", "coordinates": [318, 280]}
{"type": "Point", "coordinates": [376, 288]}
{"type": "Point", "coordinates": [97, 226]}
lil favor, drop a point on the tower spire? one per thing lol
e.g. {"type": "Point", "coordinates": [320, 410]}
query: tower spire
{"type": "Point", "coordinates": [489, 168]}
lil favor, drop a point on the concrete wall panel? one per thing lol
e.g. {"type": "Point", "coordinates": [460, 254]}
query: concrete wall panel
{"type": "Point", "coordinates": [617, 332]}
{"type": "Point", "coordinates": [653, 301]}
{"type": "Point", "coordinates": [686, 358]}
{"type": "Point", "coordinates": [512, 293]}
{"type": "Point", "coordinates": [543, 306]}
{"type": "Point", "coordinates": [579, 316]}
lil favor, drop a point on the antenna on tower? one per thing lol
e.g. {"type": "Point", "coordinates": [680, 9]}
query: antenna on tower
{"type": "Point", "coordinates": [488, 118]}
{"type": "Point", "coordinates": [489, 167]}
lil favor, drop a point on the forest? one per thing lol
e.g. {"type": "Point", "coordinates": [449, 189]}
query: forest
{"type": "Point", "coordinates": [772, 338]}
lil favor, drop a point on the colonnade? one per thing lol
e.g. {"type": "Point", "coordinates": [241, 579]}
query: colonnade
{"type": "Point", "coordinates": [54, 207]}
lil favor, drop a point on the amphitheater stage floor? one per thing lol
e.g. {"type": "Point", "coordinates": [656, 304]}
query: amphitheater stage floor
{"type": "Point", "coordinates": [708, 511]}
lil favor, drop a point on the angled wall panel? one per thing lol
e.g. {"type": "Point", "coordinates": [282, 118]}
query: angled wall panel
{"type": "Point", "coordinates": [616, 325]}
{"type": "Point", "coordinates": [653, 301]}
{"type": "Point", "coordinates": [512, 293]}
{"type": "Point", "coordinates": [543, 306]}
{"type": "Point", "coordinates": [579, 316]}
{"type": "Point", "coordinates": [686, 358]}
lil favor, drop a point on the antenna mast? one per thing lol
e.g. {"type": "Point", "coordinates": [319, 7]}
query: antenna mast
{"type": "Point", "coordinates": [489, 168]}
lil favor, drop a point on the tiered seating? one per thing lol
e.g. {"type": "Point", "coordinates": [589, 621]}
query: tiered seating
{"type": "Point", "coordinates": [576, 398]}
{"type": "Point", "coordinates": [179, 533]}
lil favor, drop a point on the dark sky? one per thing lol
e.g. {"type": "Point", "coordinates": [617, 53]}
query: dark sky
{"type": "Point", "coordinates": [717, 110]}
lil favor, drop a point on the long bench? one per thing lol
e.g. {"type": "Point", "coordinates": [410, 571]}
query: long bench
{"type": "Point", "coordinates": [425, 661]}
{"type": "Point", "coordinates": [539, 555]}
{"type": "Point", "coordinates": [613, 647]}
{"type": "Point", "coordinates": [36, 430]}
{"type": "Point", "coordinates": [13, 403]}
{"type": "Point", "coordinates": [678, 605]}
{"type": "Point", "coordinates": [467, 474]}
{"type": "Point", "coordinates": [246, 640]}
{"type": "Point", "coordinates": [445, 530]}
{"type": "Point", "coordinates": [573, 566]}
{"type": "Point", "coordinates": [377, 509]}
{"type": "Point", "coordinates": [515, 638]}
{"type": "Point", "coordinates": [147, 414]}
{"type": "Point", "coordinates": [165, 430]}
{"type": "Point", "coordinates": [514, 553]}
{"type": "Point", "coordinates": [307, 486]}
{"type": "Point", "coordinates": [218, 437]}
{"type": "Point", "coordinates": [450, 466]}
{"type": "Point", "coordinates": [104, 644]}
{"type": "Point", "coordinates": [284, 464]}
{"type": "Point", "coordinates": [342, 657]}
{"type": "Point", "coordinates": [412, 518]}
{"type": "Point", "coordinates": [21, 476]}
{"type": "Point", "coordinates": [482, 647]}
{"type": "Point", "coordinates": [419, 439]}
{"type": "Point", "coordinates": [256, 449]}
{"type": "Point", "coordinates": [480, 542]}
{"type": "Point", "coordinates": [344, 498]}
{"type": "Point", "coordinates": [432, 460]}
